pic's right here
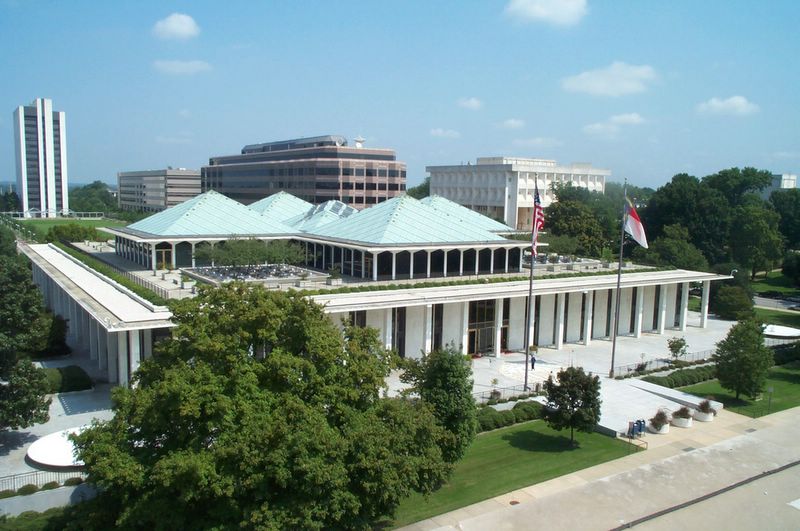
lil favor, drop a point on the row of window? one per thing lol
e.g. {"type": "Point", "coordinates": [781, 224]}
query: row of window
{"type": "Point", "coordinates": [302, 172]}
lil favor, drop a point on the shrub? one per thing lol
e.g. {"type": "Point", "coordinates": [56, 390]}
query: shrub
{"type": "Point", "coordinates": [507, 418]}
{"type": "Point", "coordinates": [50, 485]}
{"type": "Point", "coordinates": [66, 379]}
{"type": "Point", "coordinates": [705, 407]}
{"type": "Point", "coordinates": [786, 354]}
{"type": "Point", "coordinates": [527, 411]}
{"type": "Point", "coordinates": [53, 379]}
{"type": "Point", "coordinates": [71, 482]}
{"type": "Point", "coordinates": [25, 490]}
{"type": "Point", "coordinates": [683, 413]}
{"type": "Point", "coordinates": [488, 419]}
{"type": "Point", "coordinates": [7, 493]}
{"type": "Point", "coordinates": [659, 420]}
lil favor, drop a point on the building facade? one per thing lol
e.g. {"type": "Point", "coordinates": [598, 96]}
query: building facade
{"type": "Point", "coordinates": [502, 187]}
{"type": "Point", "coordinates": [156, 190]}
{"type": "Point", "coordinates": [40, 141]}
{"type": "Point", "coordinates": [780, 181]}
{"type": "Point", "coordinates": [316, 169]}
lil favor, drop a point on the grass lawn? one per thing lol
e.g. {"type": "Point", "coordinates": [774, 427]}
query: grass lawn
{"type": "Point", "coordinates": [785, 383]}
{"type": "Point", "coordinates": [778, 317]}
{"type": "Point", "coordinates": [41, 226]}
{"type": "Point", "coordinates": [776, 281]}
{"type": "Point", "coordinates": [508, 459]}
{"type": "Point", "coordinates": [694, 303]}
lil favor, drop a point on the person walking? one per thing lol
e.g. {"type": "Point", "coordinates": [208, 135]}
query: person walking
{"type": "Point", "coordinates": [533, 362]}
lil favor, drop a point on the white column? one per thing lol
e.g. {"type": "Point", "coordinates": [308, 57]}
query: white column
{"type": "Point", "coordinates": [193, 248]}
{"type": "Point", "coordinates": [684, 306]}
{"type": "Point", "coordinates": [427, 329]}
{"type": "Point", "coordinates": [374, 266]}
{"type": "Point", "coordinates": [465, 327]}
{"type": "Point", "coordinates": [92, 338]}
{"type": "Point", "coordinates": [444, 270]}
{"type": "Point", "coordinates": [122, 359]}
{"type": "Point", "coordinates": [394, 265]}
{"type": "Point", "coordinates": [491, 261]}
{"type": "Point", "coordinates": [461, 263]}
{"type": "Point", "coordinates": [521, 253]}
{"type": "Point", "coordinates": [174, 260]}
{"type": "Point", "coordinates": [111, 348]}
{"type": "Point", "coordinates": [153, 257]}
{"type": "Point", "coordinates": [387, 328]}
{"type": "Point", "coordinates": [613, 316]}
{"type": "Point", "coordinates": [411, 264]}
{"type": "Point", "coordinates": [324, 248]}
{"type": "Point", "coordinates": [704, 304]}
{"type": "Point", "coordinates": [588, 317]}
{"type": "Point", "coordinates": [534, 324]}
{"type": "Point", "coordinates": [428, 253]}
{"type": "Point", "coordinates": [498, 326]}
{"type": "Point", "coordinates": [506, 266]}
{"type": "Point", "coordinates": [637, 318]}
{"type": "Point", "coordinates": [559, 339]}
{"type": "Point", "coordinates": [135, 350]}
{"type": "Point", "coordinates": [477, 260]}
{"type": "Point", "coordinates": [662, 308]}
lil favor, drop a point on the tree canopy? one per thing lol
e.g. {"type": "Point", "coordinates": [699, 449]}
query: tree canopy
{"type": "Point", "coordinates": [673, 248]}
{"type": "Point", "coordinates": [422, 190]}
{"type": "Point", "coordinates": [249, 252]}
{"type": "Point", "coordinates": [787, 204]}
{"type": "Point", "coordinates": [575, 219]}
{"type": "Point", "coordinates": [574, 402]}
{"type": "Point", "coordinates": [93, 197]}
{"type": "Point", "coordinates": [258, 412]}
{"type": "Point", "coordinates": [735, 183]}
{"type": "Point", "coordinates": [742, 359]}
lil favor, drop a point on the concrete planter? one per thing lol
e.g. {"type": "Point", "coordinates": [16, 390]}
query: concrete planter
{"type": "Point", "coordinates": [703, 417]}
{"type": "Point", "coordinates": [664, 429]}
{"type": "Point", "coordinates": [334, 282]}
{"type": "Point", "coordinates": [682, 422]}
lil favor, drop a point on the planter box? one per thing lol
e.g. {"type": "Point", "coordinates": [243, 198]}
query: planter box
{"type": "Point", "coordinates": [334, 282]}
{"type": "Point", "coordinates": [664, 429]}
{"type": "Point", "coordinates": [703, 417]}
{"type": "Point", "coordinates": [682, 422]}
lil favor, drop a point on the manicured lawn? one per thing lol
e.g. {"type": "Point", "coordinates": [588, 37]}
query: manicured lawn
{"type": "Point", "coordinates": [776, 281]}
{"type": "Point", "coordinates": [778, 317]}
{"type": "Point", "coordinates": [785, 383]}
{"type": "Point", "coordinates": [41, 226]}
{"type": "Point", "coordinates": [508, 459]}
{"type": "Point", "coordinates": [694, 303]}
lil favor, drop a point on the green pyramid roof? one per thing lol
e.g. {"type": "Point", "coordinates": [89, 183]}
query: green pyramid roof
{"type": "Point", "coordinates": [404, 220]}
{"type": "Point", "coordinates": [208, 214]}
{"type": "Point", "coordinates": [281, 206]}
{"type": "Point", "coordinates": [465, 214]}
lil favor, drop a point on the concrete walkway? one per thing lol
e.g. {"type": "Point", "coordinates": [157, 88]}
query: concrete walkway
{"type": "Point", "coordinates": [678, 467]}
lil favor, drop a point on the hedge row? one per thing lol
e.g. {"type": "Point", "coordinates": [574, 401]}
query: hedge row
{"type": "Point", "coordinates": [786, 354]}
{"type": "Point", "coordinates": [66, 379]}
{"type": "Point", "coordinates": [684, 377]}
{"type": "Point", "coordinates": [490, 419]}
{"type": "Point", "coordinates": [110, 272]}
{"type": "Point", "coordinates": [30, 488]}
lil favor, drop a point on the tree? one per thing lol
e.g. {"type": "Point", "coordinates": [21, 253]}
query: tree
{"type": "Point", "coordinates": [742, 359]}
{"type": "Point", "coordinates": [74, 232]}
{"type": "Point", "coordinates": [735, 183]}
{"type": "Point", "coordinates": [23, 396]}
{"type": "Point", "coordinates": [787, 204]}
{"type": "Point", "coordinates": [571, 218]}
{"type": "Point", "coordinates": [573, 402]}
{"type": "Point", "coordinates": [791, 267]}
{"type": "Point", "coordinates": [756, 242]}
{"type": "Point", "coordinates": [259, 412]}
{"type": "Point", "coordinates": [677, 347]}
{"type": "Point", "coordinates": [421, 190]}
{"type": "Point", "coordinates": [703, 210]}
{"type": "Point", "coordinates": [731, 302]}
{"type": "Point", "coordinates": [443, 380]}
{"type": "Point", "coordinates": [284, 252]}
{"type": "Point", "coordinates": [93, 197]}
{"type": "Point", "coordinates": [8, 242]}
{"type": "Point", "coordinates": [673, 248]}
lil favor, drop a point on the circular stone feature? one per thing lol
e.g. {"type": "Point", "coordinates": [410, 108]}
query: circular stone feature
{"type": "Point", "coordinates": [55, 450]}
{"type": "Point", "coordinates": [781, 332]}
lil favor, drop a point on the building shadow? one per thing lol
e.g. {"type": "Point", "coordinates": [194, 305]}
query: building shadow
{"type": "Point", "coordinates": [84, 402]}
{"type": "Point", "coordinates": [11, 440]}
{"type": "Point", "coordinates": [533, 441]}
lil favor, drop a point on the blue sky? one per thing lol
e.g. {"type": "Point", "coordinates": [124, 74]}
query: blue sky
{"type": "Point", "coordinates": [645, 89]}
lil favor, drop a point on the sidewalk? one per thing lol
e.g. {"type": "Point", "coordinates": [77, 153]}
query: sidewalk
{"type": "Point", "coordinates": [677, 467]}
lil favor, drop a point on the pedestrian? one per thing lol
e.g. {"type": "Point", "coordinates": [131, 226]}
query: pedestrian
{"type": "Point", "coordinates": [533, 362]}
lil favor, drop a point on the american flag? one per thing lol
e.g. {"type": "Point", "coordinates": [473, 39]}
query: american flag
{"type": "Point", "coordinates": [538, 218]}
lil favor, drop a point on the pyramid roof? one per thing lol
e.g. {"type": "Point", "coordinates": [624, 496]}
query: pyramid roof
{"type": "Point", "coordinates": [464, 214]}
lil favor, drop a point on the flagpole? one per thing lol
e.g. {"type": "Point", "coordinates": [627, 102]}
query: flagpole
{"type": "Point", "coordinates": [529, 312]}
{"type": "Point", "coordinates": [615, 327]}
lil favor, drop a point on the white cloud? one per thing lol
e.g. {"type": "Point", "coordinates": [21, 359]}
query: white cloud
{"type": "Point", "coordinates": [537, 142]}
{"type": "Point", "coordinates": [176, 26]}
{"type": "Point", "coordinates": [557, 12]}
{"type": "Point", "coordinates": [609, 128]}
{"type": "Point", "coordinates": [513, 123]}
{"type": "Point", "coordinates": [631, 118]}
{"type": "Point", "coordinates": [735, 105]}
{"type": "Point", "coordinates": [472, 104]}
{"type": "Point", "coordinates": [444, 133]}
{"type": "Point", "coordinates": [181, 68]}
{"type": "Point", "coordinates": [617, 79]}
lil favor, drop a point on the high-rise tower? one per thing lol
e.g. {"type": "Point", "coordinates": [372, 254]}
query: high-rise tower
{"type": "Point", "coordinates": [40, 136]}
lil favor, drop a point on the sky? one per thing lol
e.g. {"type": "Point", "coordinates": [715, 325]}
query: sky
{"type": "Point", "coordinates": [645, 89]}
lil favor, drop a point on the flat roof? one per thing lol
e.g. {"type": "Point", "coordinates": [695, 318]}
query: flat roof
{"type": "Point", "coordinates": [371, 300]}
{"type": "Point", "coordinates": [112, 305]}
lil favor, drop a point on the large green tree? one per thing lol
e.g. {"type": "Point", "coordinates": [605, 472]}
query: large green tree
{"type": "Point", "coordinates": [443, 379]}
{"type": "Point", "coordinates": [422, 190]}
{"type": "Point", "coordinates": [703, 210]}
{"type": "Point", "coordinates": [787, 204]}
{"type": "Point", "coordinates": [735, 183]}
{"type": "Point", "coordinates": [93, 197]}
{"type": "Point", "coordinates": [573, 402]}
{"type": "Point", "coordinates": [260, 413]}
{"type": "Point", "coordinates": [742, 359]}
{"type": "Point", "coordinates": [673, 248]}
{"type": "Point", "coordinates": [575, 219]}
{"type": "Point", "coordinates": [756, 242]}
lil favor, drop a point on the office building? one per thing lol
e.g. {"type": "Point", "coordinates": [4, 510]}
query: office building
{"type": "Point", "coordinates": [40, 141]}
{"type": "Point", "coordinates": [317, 170]}
{"type": "Point", "coordinates": [503, 187]}
{"type": "Point", "coordinates": [780, 181]}
{"type": "Point", "coordinates": [156, 190]}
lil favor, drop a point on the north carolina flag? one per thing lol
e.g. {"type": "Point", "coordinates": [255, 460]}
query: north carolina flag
{"type": "Point", "coordinates": [633, 225]}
